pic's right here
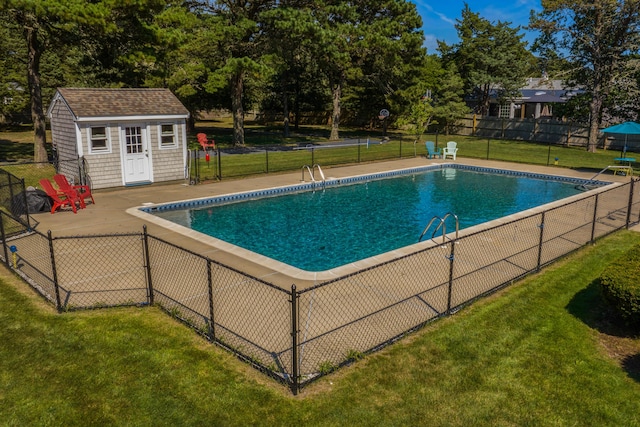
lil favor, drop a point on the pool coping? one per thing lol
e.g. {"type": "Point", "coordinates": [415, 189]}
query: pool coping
{"type": "Point", "coordinates": [295, 273]}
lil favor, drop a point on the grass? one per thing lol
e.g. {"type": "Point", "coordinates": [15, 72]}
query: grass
{"type": "Point", "coordinates": [534, 153]}
{"type": "Point", "coordinates": [16, 155]}
{"type": "Point", "coordinates": [16, 143]}
{"type": "Point", "coordinates": [31, 173]}
{"type": "Point", "coordinates": [541, 352]}
{"type": "Point", "coordinates": [279, 160]}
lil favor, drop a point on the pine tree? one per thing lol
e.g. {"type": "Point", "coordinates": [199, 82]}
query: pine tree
{"type": "Point", "coordinates": [601, 40]}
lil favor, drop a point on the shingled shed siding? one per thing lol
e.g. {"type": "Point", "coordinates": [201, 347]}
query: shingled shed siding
{"type": "Point", "coordinates": [168, 163]}
{"type": "Point", "coordinates": [105, 170]}
{"type": "Point", "coordinates": [63, 133]}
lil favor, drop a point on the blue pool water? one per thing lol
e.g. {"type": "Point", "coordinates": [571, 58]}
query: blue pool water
{"type": "Point", "coordinates": [320, 230]}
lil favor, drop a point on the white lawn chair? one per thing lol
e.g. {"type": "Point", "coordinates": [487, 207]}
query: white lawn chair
{"type": "Point", "coordinates": [450, 150]}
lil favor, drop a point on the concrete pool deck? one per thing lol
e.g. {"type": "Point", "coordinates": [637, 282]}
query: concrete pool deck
{"type": "Point", "coordinates": [109, 214]}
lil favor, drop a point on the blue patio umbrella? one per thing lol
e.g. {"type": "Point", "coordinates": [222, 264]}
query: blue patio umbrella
{"type": "Point", "coordinates": [626, 129]}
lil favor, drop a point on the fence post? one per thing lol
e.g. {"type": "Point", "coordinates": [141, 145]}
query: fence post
{"type": "Point", "coordinates": [358, 150]}
{"type": "Point", "coordinates": [56, 286]}
{"type": "Point", "coordinates": [4, 240]}
{"type": "Point", "coordinates": [10, 186]}
{"type": "Point", "coordinates": [145, 244]}
{"type": "Point", "coordinates": [631, 186]}
{"type": "Point", "coordinates": [595, 217]}
{"type": "Point", "coordinates": [196, 164]}
{"type": "Point", "coordinates": [313, 152]}
{"type": "Point", "coordinates": [24, 200]}
{"type": "Point", "coordinates": [266, 155]}
{"type": "Point", "coordinates": [212, 331]}
{"type": "Point", "coordinates": [540, 241]}
{"type": "Point", "coordinates": [219, 164]}
{"type": "Point", "coordinates": [638, 220]}
{"type": "Point", "coordinates": [294, 340]}
{"type": "Point", "coordinates": [79, 165]}
{"type": "Point", "coordinates": [451, 258]}
{"type": "Point", "coordinates": [400, 148]}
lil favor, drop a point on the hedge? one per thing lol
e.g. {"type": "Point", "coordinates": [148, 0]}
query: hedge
{"type": "Point", "coordinates": [620, 285]}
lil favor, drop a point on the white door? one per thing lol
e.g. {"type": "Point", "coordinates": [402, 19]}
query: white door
{"type": "Point", "coordinates": [136, 154]}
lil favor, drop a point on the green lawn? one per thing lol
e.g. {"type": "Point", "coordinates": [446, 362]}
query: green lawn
{"type": "Point", "coordinates": [536, 354]}
{"type": "Point", "coordinates": [533, 153]}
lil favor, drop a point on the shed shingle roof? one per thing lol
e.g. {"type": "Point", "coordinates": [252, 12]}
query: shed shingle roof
{"type": "Point", "coordinates": [87, 102]}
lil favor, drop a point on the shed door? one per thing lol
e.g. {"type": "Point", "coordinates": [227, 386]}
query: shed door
{"type": "Point", "coordinates": [136, 154]}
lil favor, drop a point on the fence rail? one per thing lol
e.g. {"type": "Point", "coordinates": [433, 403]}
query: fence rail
{"type": "Point", "coordinates": [298, 336]}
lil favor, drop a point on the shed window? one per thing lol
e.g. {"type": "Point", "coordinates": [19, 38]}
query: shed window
{"type": "Point", "coordinates": [167, 134]}
{"type": "Point", "coordinates": [98, 139]}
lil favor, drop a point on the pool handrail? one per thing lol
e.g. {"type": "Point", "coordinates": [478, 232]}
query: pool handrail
{"type": "Point", "coordinates": [441, 224]}
{"type": "Point", "coordinates": [319, 171]}
{"type": "Point", "coordinates": [628, 169]}
{"type": "Point", "coordinates": [307, 168]}
{"type": "Point", "coordinates": [311, 171]}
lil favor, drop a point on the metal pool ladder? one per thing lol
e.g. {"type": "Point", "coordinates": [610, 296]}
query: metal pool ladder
{"type": "Point", "coordinates": [441, 224]}
{"type": "Point", "coordinates": [311, 171]}
{"type": "Point", "coordinates": [628, 170]}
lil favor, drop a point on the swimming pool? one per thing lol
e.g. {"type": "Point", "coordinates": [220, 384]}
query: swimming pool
{"type": "Point", "coordinates": [360, 217]}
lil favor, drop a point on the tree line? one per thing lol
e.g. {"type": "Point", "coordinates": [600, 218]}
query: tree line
{"type": "Point", "coordinates": [351, 58]}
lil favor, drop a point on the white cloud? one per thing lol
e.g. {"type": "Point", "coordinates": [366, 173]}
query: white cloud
{"type": "Point", "coordinates": [431, 43]}
{"type": "Point", "coordinates": [442, 16]}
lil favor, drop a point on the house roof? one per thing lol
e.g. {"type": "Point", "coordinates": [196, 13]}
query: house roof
{"type": "Point", "coordinates": [541, 90]}
{"type": "Point", "coordinates": [544, 97]}
{"type": "Point", "coordinates": [87, 103]}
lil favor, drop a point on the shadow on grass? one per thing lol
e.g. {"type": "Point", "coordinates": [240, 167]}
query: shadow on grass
{"type": "Point", "coordinates": [10, 150]}
{"type": "Point", "coordinates": [257, 134]}
{"type": "Point", "coordinates": [631, 364]}
{"type": "Point", "coordinates": [589, 306]}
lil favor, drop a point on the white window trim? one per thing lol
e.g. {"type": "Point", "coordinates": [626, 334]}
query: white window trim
{"type": "Point", "coordinates": [175, 136]}
{"type": "Point", "coordinates": [107, 130]}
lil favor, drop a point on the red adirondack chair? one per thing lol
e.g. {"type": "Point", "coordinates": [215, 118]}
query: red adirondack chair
{"type": "Point", "coordinates": [59, 198]}
{"type": "Point", "coordinates": [83, 191]}
{"type": "Point", "coordinates": [204, 142]}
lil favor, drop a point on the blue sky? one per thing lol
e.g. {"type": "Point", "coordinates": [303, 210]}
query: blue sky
{"type": "Point", "coordinates": [439, 17]}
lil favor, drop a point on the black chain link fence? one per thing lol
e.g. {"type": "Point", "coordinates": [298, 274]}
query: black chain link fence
{"type": "Point", "coordinates": [13, 197]}
{"type": "Point", "coordinates": [224, 163]}
{"type": "Point", "coordinates": [298, 336]}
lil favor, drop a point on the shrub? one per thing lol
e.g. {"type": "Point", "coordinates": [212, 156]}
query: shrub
{"type": "Point", "coordinates": [354, 355]}
{"type": "Point", "coordinates": [620, 285]}
{"type": "Point", "coordinates": [326, 367]}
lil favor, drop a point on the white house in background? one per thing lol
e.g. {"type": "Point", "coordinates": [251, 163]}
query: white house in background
{"type": "Point", "coordinates": [119, 137]}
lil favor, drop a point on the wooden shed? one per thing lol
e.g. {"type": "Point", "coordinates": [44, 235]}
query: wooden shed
{"type": "Point", "coordinates": [119, 137]}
